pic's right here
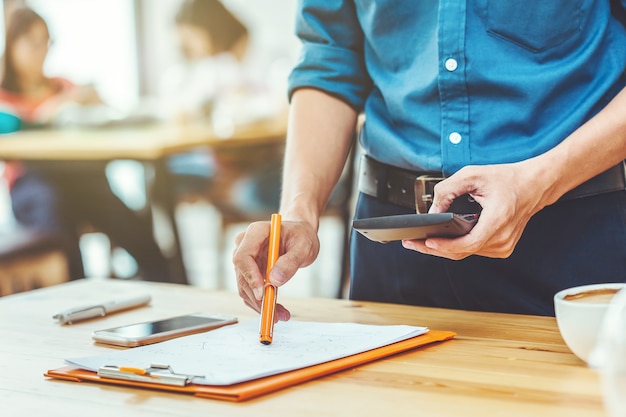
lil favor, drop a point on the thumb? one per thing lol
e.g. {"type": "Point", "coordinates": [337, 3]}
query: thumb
{"type": "Point", "coordinates": [285, 268]}
{"type": "Point", "coordinates": [449, 190]}
{"type": "Point", "coordinates": [443, 195]}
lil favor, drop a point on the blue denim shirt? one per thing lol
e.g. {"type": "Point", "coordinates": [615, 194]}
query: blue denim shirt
{"type": "Point", "coordinates": [445, 84]}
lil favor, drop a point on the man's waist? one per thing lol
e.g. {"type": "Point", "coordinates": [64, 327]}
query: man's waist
{"type": "Point", "coordinates": [415, 190]}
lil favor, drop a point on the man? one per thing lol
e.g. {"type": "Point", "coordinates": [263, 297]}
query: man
{"type": "Point", "coordinates": [521, 104]}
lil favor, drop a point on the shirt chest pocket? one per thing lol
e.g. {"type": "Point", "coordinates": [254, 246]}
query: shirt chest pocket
{"type": "Point", "coordinates": [536, 25]}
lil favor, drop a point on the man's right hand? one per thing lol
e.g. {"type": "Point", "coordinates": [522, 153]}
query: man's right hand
{"type": "Point", "coordinates": [299, 246]}
{"type": "Point", "coordinates": [319, 136]}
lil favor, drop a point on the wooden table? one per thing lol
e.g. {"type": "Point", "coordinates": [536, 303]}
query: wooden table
{"type": "Point", "coordinates": [91, 148]}
{"type": "Point", "coordinates": [149, 142]}
{"type": "Point", "coordinates": [505, 365]}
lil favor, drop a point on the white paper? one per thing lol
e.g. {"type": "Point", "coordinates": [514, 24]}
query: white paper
{"type": "Point", "coordinates": [234, 354]}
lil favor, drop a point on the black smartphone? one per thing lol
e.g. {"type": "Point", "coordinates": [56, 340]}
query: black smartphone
{"type": "Point", "coordinates": [139, 334]}
{"type": "Point", "coordinates": [415, 226]}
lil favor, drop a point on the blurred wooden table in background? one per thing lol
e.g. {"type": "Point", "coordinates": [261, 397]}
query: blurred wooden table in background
{"type": "Point", "coordinates": [91, 148]}
{"type": "Point", "coordinates": [143, 143]}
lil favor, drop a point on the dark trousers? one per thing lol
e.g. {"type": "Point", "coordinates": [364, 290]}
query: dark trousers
{"type": "Point", "coordinates": [64, 201]}
{"type": "Point", "coordinates": [570, 243]}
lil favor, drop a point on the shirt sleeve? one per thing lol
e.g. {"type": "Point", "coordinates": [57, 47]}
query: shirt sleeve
{"type": "Point", "coordinates": [331, 58]}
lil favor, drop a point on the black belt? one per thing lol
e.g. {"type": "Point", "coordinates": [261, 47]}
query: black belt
{"type": "Point", "coordinates": [414, 190]}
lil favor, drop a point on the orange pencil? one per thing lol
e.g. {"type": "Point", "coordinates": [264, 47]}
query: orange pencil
{"type": "Point", "coordinates": [268, 305]}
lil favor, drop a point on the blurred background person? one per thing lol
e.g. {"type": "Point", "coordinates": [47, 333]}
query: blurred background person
{"type": "Point", "coordinates": [222, 80]}
{"type": "Point", "coordinates": [35, 97]}
{"type": "Point", "coordinates": [220, 64]}
{"type": "Point", "coordinates": [59, 199]}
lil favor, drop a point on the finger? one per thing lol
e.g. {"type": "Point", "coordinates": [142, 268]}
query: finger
{"type": "Point", "coordinates": [281, 314]}
{"type": "Point", "coordinates": [444, 195]}
{"type": "Point", "coordinates": [465, 244]}
{"type": "Point", "coordinates": [253, 305]}
{"type": "Point", "coordinates": [494, 235]}
{"type": "Point", "coordinates": [451, 247]}
{"type": "Point", "coordinates": [245, 258]}
{"type": "Point", "coordinates": [494, 245]}
{"type": "Point", "coordinates": [489, 230]}
{"type": "Point", "coordinates": [239, 238]}
{"type": "Point", "coordinates": [251, 277]}
{"type": "Point", "coordinates": [419, 246]}
{"type": "Point", "coordinates": [248, 272]}
{"type": "Point", "coordinates": [287, 265]}
{"type": "Point", "coordinates": [455, 256]}
{"type": "Point", "coordinates": [446, 191]}
{"type": "Point", "coordinates": [245, 291]}
{"type": "Point", "coordinates": [253, 239]}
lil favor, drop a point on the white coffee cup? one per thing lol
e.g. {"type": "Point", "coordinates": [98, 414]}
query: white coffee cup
{"type": "Point", "coordinates": [579, 316]}
{"type": "Point", "coordinates": [609, 355]}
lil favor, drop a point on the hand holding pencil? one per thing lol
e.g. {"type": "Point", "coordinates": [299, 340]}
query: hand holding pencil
{"type": "Point", "coordinates": [298, 246]}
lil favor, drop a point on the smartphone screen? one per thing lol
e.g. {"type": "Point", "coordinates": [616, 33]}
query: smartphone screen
{"type": "Point", "coordinates": [157, 331]}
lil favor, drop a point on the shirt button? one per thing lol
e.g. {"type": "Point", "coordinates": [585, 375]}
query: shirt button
{"type": "Point", "coordinates": [455, 138]}
{"type": "Point", "coordinates": [451, 64]}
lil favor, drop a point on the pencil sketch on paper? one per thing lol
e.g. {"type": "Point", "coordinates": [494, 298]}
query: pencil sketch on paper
{"type": "Point", "coordinates": [233, 353]}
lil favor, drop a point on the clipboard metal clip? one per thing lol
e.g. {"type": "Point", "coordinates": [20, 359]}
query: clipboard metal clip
{"type": "Point", "coordinates": [156, 374]}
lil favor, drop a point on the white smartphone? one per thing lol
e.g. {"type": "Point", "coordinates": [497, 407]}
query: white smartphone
{"type": "Point", "coordinates": [140, 334]}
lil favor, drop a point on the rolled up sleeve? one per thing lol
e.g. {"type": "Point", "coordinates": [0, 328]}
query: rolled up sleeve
{"type": "Point", "coordinates": [331, 58]}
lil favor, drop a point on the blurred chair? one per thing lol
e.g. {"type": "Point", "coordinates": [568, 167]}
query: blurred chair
{"type": "Point", "coordinates": [30, 260]}
{"type": "Point", "coordinates": [259, 165]}
{"type": "Point", "coordinates": [245, 188]}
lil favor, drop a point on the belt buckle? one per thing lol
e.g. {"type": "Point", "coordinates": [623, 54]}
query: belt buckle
{"type": "Point", "coordinates": [424, 191]}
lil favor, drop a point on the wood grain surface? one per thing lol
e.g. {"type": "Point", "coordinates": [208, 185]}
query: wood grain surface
{"type": "Point", "coordinates": [498, 365]}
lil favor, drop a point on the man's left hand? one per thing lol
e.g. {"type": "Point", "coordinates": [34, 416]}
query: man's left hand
{"type": "Point", "coordinates": [510, 194]}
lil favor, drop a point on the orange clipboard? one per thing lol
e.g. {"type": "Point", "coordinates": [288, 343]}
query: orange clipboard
{"type": "Point", "coordinates": [251, 389]}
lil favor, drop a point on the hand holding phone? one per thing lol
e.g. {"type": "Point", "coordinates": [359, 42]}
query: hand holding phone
{"type": "Point", "coordinates": [415, 226]}
{"type": "Point", "coordinates": [458, 221]}
{"type": "Point", "coordinates": [140, 334]}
